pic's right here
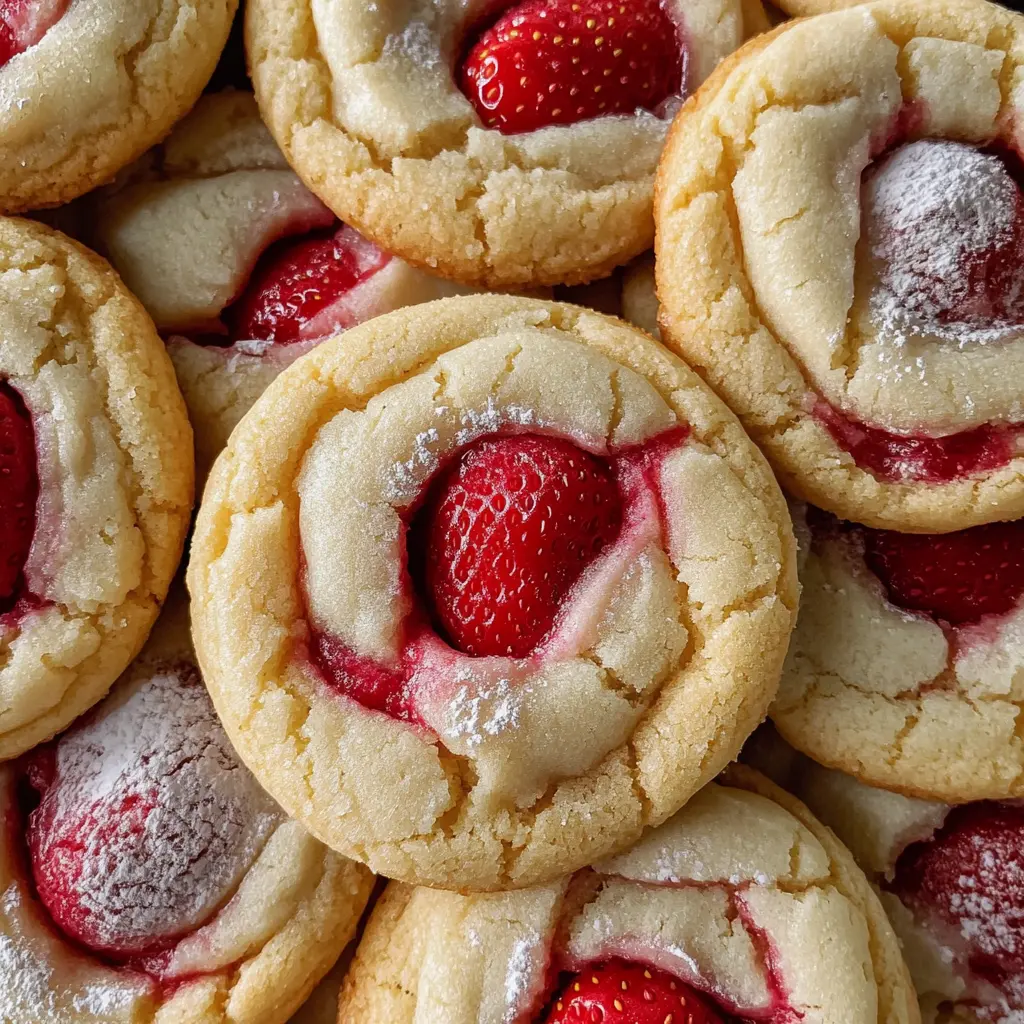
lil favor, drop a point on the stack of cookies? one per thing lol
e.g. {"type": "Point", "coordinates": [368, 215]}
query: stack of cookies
{"type": "Point", "coordinates": [375, 503]}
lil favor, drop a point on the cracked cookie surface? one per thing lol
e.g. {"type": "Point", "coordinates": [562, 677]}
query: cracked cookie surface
{"type": "Point", "coordinates": [364, 101]}
{"type": "Point", "coordinates": [153, 881]}
{"type": "Point", "coordinates": [807, 290]}
{"type": "Point", "coordinates": [385, 739]}
{"type": "Point", "coordinates": [105, 82]}
{"type": "Point", "coordinates": [908, 645]}
{"type": "Point", "coordinates": [733, 897]}
{"type": "Point", "coordinates": [189, 229]}
{"type": "Point", "coordinates": [110, 451]}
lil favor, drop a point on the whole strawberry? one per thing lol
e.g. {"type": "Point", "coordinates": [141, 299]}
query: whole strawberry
{"type": "Point", "coordinates": [19, 488]}
{"type": "Point", "coordinates": [507, 532]}
{"type": "Point", "coordinates": [955, 577]}
{"type": "Point", "coordinates": [297, 280]}
{"type": "Point", "coordinates": [547, 62]}
{"type": "Point", "coordinates": [620, 992]}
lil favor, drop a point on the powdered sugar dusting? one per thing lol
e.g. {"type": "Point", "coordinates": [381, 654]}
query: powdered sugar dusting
{"type": "Point", "coordinates": [521, 973]}
{"type": "Point", "coordinates": [150, 821]}
{"type": "Point", "coordinates": [476, 713]}
{"type": "Point", "coordinates": [932, 209]}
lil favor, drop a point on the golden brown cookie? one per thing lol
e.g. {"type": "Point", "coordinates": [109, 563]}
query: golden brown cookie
{"type": "Point", "coordinates": [449, 139]}
{"type": "Point", "coordinates": [96, 460]}
{"type": "Point", "coordinates": [841, 232]}
{"type": "Point", "coordinates": [486, 586]}
{"type": "Point", "coordinates": [86, 87]}
{"type": "Point", "coordinates": [146, 875]}
{"type": "Point", "coordinates": [906, 645]}
{"type": "Point", "coordinates": [242, 268]}
{"type": "Point", "coordinates": [680, 923]}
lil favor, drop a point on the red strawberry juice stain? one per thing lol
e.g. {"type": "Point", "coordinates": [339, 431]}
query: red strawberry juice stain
{"type": "Point", "coordinates": [957, 579]}
{"type": "Point", "coordinates": [968, 880]}
{"type": "Point", "coordinates": [943, 222]}
{"type": "Point", "coordinates": [499, 538]}
{"type": "Point", "coordinates": [19, 492]}
{"type": "Point", "coordinates": [296, 281]}
{"type": "Point", "coordinates": [896, 458]}
{"type": "Point", "coordinates": [557, 62]}
{"type": "Point", "coordinates": [24, 22]}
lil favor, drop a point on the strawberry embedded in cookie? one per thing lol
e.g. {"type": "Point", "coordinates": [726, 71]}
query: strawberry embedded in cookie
{"type": "Point", "coordinates": [944, 225]}
{"type": "Point", "coordinates": [19, 489]}
{"type": "Point", "coordinates": [24, 22]}
{"type": "Point", "coordinates": [296, 293]}
{"type": "Point", "coordinates": [146, 822]}
{"type": "Point", "coordinates": [620, 992]}
{"type": "Point", "coordinates": [955, 577]}
{"type": "Point", "coordinates": [507, 531]}
{"type": "Point", "coordinates": [552, 62]}
{"type": "Point", "coordinates": [968, 883]}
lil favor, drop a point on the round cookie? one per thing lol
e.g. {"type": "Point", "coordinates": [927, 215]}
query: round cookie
{"type": "Point", "coordinates": [691, 909]}
{"type": "Point", "coordinates": [840, 233]}
{"type": "Point", "coordinates": [447, 138]}
{"type": "Point", "coordinates": [85, 87]}
{"type": "Point", "coordinates": [908, 644]}
{"type": "Point", "coordinates": [639, 297]}
{"type": "Point", "coordinates": [488, 585]}
{"type": "Point", "coordinates": [949, 878]}
{"type": "Point", "coordinates": [146, 874]}
{"type": "Point", "coordinates": [96, 458]}
{"type": "Point", "coordinates": [242, 269]}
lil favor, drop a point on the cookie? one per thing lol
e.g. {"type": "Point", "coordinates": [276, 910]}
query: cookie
{"type": "Point", "coordinates": [95, 454]}
{"type": "Point", "coordinates": [486, 586]}
{"type": "Point", "coordinates": [675, 929]}
{"type": "Point", "coordinates": [949, 878]}
{"type": "Point", "coordinates": [908, 644]}
{"type": "Point", "coordinates": [86, 87]}
{"type": "Point", "coordinates": [146, 874]}
{"type": "Point", "coordinates": [240, 266]}
{"type": "Point", "coordinates": [840, 230]}
{"type": "Point", "coordinates": [639, 297]}
{"type": "Point", "coordinates": [508, 153]}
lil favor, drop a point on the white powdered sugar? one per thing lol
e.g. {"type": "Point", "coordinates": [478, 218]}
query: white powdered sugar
{"type": "Point", "coordinates": [493, 417]}
{"type": "Point", "coordinates": [476, 713]}
{"type": "Point", "coordinates": [151, 821]}
{"type": "Point", "coordinates": [521, 973]}
{"type": "Point", "coordinates": [930, 207]}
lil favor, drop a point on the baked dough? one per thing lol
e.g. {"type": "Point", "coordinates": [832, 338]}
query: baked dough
{"type": "Point", "coordinates": [114, 463]}
{"type": "Point", "coordinates": [521, 770]}
{"type": "Point", "coordinates": [363, 101]}
{"type": "Point", "coordinates": [764, 276]}
{"type": "Point", "coordinates": [104, 84]}
{"type": "Point", "coordinates": [740, 851]}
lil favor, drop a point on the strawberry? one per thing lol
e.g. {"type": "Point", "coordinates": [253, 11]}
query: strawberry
{"type": "Point", "coordinates": [295, 280]}
{"type": "Point", "coordinates": [954, 577]}
{"type": "Point", "coordinates": [620, 992]}
{"type": "Point", "coordinates": [970, 876]}
{"type": "Point", "coordinates": [506, 532]}
{"type": "Point", "coordinates": [24, 22]}
{"type": "Point", "coordinates": [19, 488]}
{"type": "Point", "coordinates": [546, 62]}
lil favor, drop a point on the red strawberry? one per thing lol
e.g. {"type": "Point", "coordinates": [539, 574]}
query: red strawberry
{"type": "Point", "coordinates": [970, 876]}
{"type": "Point", "coordinates": [19, 488]}
{"type": "Point", "coordinates": [24, 22]}
{"type": "Point", "coordinates": [295, 280]}
{"type": "Point", "coordinates": [507, 532]}
{"type": "Point", "coordinates": [619, 992]}
{"type": "Point", "coordinates": [548, 62]}
{"type": "Point", "coordinates": [955, 577]}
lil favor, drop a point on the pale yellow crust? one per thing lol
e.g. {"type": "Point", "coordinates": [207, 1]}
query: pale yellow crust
{"type": "Point", "coordinates": [292, 915]}
{"type": "Point", "coordinates": [362, 101]}
{"type": "Point", "coordinates": [729, 197]}
{"type": "Point", "coordinates": [338, 768]}
{"type": "Point", "coordinates": [398, 976]}
{"type": "Point", "coordinates": [106, 82]}
{"type": "Point", "coordinates": [875, 691]}
{"type": "Point", "coordinates": [115, 482]}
